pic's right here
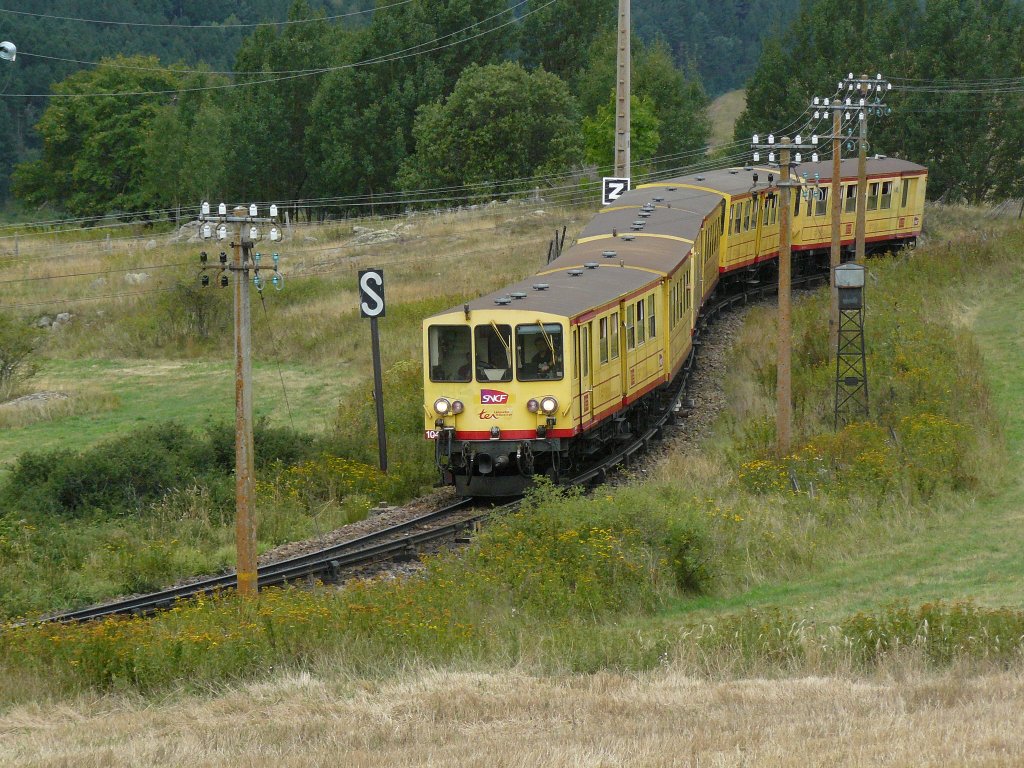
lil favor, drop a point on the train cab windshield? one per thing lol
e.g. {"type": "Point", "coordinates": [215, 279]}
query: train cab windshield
{"type": "Point", "coordinates": [539, 351]}
{"type": "Point", "coordinates": [450, 353]}
{"type": "Point", "coordinates": [493, 352]}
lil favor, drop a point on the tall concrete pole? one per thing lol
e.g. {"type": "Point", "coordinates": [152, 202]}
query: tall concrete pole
{"type": "Point", "coordinates": [623, 88]}
{"type": "Point", "coordinates": [784, 388]}
{"type": "Point", "coordinates": [835, 256]}
{"type": "Point", "coordinates": [245, 507]}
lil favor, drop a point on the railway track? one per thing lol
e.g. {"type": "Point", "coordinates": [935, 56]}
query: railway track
{"type": "Point", "coordinates": [408, 538]}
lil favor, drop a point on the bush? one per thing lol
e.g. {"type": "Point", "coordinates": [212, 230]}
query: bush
{"type": "Point", "coordinates": [124, 475]}
{"type": "Point", "coordinates": [18, 342]}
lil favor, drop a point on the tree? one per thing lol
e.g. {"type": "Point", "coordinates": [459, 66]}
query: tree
{"type": "Point", "coordinates": [678, 104]}
{"type": "Point", "coordinates": [501, 122]}
{"type": "Point", "coordinates": [93, 145]}
{"type": "Point", "coordinates": [969, 138]}
{"type": "Point", "coordinates": [599, 133]}
{"type": "Point", "coordinates": [185, 147]}
{"type": "Point", "coordinates": [362, 118]}
{"type": "Point", "coordinates": [559, 36]}
{"type": "Point", "coordinates": [268, 120]}
{"type": "Point", "coordinates": [18, 342]}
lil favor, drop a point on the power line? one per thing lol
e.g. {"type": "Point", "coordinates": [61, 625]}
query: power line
{"type": "Point", "coordinates": [402, 54]}
{"type": "Point", "coordinates": [240, 25]}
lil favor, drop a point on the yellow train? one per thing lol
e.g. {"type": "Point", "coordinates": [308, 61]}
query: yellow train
{"type": "Point", "coordinates": [536, 377]}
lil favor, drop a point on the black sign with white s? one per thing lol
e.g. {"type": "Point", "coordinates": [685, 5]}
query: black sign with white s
{"type": "Point", "coordinates": [371, 293]}
{"type": "Point", "coordinates": [612, 189]}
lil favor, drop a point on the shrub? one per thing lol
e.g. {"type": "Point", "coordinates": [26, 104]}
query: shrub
{"type": "Point", "coordinates": [18, 342]}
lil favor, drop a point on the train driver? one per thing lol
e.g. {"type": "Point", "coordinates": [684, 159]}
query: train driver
{"type": "Point", "coordinates": [543, 357]}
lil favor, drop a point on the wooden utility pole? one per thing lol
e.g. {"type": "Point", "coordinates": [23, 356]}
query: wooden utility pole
{"type": "Point", "coordinates": [243, 262]}
{"type": "Point", "coordinates": [835, 254]}
{"type": "Point", "coordinates": [622, 94]}
{"type": "Point", "coordinates": [862, 186]}
{"type": "Point", "coordinates": [245, 502]}
{"type": "Point", "coordinates": [865, 88]}
{"type": "Point", "coordinates": [784, 385]}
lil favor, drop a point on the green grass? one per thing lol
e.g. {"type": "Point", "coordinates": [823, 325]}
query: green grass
{"type": "Point", "coordinates": [700, 566]}
{"type": "Point", "coordinates": [194, 393]}
{"type": "Point", "coordinates": [967, 547]}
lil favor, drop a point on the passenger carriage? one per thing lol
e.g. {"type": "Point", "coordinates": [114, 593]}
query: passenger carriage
{"type": "Point", "coordinates": [611, 320]}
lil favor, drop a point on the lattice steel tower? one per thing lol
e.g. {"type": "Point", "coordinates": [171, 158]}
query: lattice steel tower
{"type": "Point", "coordinates": [851, 360]}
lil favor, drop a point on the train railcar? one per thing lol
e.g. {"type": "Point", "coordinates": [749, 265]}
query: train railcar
{"type": "Point", "coordinates": [542, 374]}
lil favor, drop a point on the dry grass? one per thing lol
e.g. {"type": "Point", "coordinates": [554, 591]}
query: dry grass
{"type": "Point", "coordinates": [723, 113]}
{"type": "Point", "coordinates": [900, 717]}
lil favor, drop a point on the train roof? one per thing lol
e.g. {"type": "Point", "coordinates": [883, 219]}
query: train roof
{"type": "Point", "coordinates": [568, 292]}
{"type": "Point", "coordinates": [629, 257]}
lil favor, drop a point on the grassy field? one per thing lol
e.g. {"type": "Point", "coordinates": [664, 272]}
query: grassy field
{"type": "Point", "coordinates": [723, 113]}
{"type": "Point", "coordinates": [161, 349]}
{"type": "Point", "coordinates": [826, 630]}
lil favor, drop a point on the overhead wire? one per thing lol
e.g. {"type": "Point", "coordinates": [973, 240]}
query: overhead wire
{"type": "Point", "coordinates": [399, 55]}
{"type": "Point", "coordinates": [219, 27]}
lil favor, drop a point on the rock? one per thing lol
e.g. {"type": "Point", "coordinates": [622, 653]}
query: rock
{"type": "Point", "coordinates": [44, 322]}
{"type": "Point", "coordinates": [136, 278]}
{"type": "Point", "coordinates": [378, 236]}
{"type": "Point", "coordinates": [63, 318]}
{"type": "Point", "coordinates": [99, 282]}
{"type": "Point", "coordinates": [151, 245]}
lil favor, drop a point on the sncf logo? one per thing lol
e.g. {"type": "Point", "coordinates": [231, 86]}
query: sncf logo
{"type": "Point", "coordinates": [493, 397]}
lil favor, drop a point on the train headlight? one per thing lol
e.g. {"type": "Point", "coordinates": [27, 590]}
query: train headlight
{"type": "Point", "coordinates": [533, 405]}
{"type": "Point", "coordinates": [457, 407]}
{"type": "Point", "coordinates": [442, 407]}
{"type": "Point", "coordinates": [548, 405]}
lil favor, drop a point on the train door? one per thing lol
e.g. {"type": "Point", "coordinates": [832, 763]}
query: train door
{"type": "Point", "coordinates": [584, 375]}
{"type": "Point", "coordinates": [758, 228]}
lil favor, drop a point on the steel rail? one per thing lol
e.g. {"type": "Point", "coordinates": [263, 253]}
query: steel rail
{"type": "Point", "coordinates": [359, 551]}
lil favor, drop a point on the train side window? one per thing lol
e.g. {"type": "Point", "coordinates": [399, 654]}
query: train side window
{"type": "Point", "coordinates": [630, 329]}
{"type": "Point", "coordinates": [650, 318]}
{"type": "Point", "coordinates": [906, 192]}
{"type": "Point", "coordinates": [851, 198]}
{"type": "Point", "coordinates": [602, 333]}
{"type": "Point", "coordinates": [613, 339]}
{"type": "Point", "coordinates": [873, 196]}
{"type": "Point", "coordinates": [821, 201]}
{"type": "Point", "coordinates": [539, 349]}
{"type": "Point", "coordinates": [738, 217]}
{"type": "Point", "coordinates": [775, 209]}
{"type": "Point", "coordinates": [886, 201]}
{"type": "Point", "coordinates": [746, 216]}
{"type": "Point", "coordinates": [449, 351]}
{"type": "Point", "coordinates": [585, 351]}
{"type": "Point", "coordinates": [493, 344]}
{"type": "Point", "coordinates": [755, 206]}
{"type": "Point", "coordinates": [641, 325]}
{"type": "Point", "coordinates": [796, 209]}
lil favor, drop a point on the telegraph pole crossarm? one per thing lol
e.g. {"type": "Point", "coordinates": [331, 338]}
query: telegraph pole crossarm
{"type": "Point", "coordinates": [784, 389]}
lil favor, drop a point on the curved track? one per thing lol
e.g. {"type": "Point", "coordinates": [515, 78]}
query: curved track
{"type": "Point", "coordinates": [407, 538]}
